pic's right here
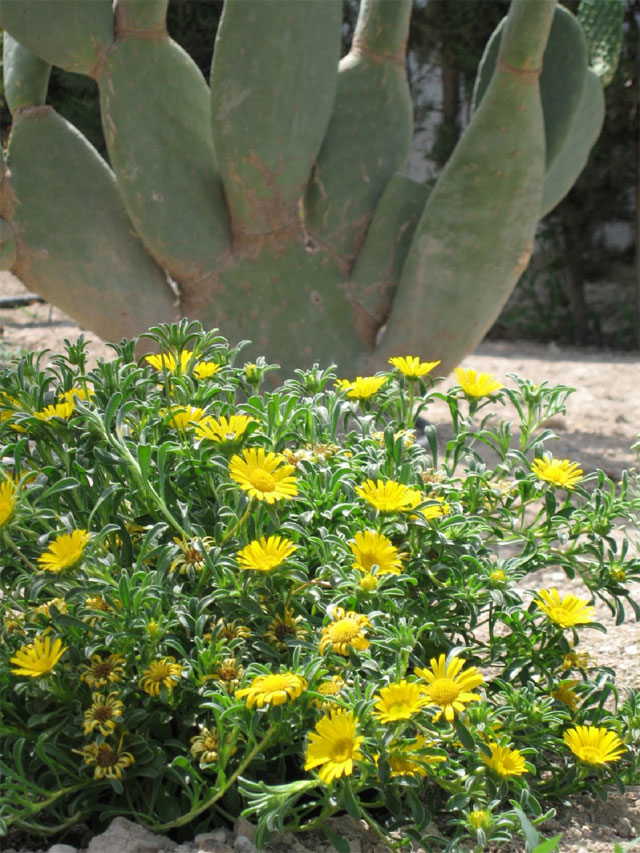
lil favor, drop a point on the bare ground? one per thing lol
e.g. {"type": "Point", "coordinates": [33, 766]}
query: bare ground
{"type": "Point", "coordinates": [601, 423]}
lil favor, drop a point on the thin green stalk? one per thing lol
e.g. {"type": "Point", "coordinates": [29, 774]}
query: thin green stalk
{"type": "Point", "coordinates": [238, 523]}
{"type": "Point", "coordinates": [20, 555]}
{"type": "Point", "coordinates": [190, 815]}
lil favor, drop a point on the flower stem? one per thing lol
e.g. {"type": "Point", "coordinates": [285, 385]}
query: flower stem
{"type": "Point", "coordinates": [190, 815]}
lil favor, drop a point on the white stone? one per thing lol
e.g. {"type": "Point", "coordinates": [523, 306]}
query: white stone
{"type": "Point", "coordinates": [124, 836]}
{"type": "Point", "coordinates": [62, 848]}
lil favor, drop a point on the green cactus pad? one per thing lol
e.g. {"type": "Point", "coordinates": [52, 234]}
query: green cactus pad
{"type": "Point", "coordinates": [26, 76]}
{"type": "Point", "coordinates": [291, 303]}
{"type": "Point", "coordinates": [369, 136]}
{"type": "Point", "coordinates": [8, 247]}
{"type": "Point", "coordinates": [476, 234]}
{"type": "Point", "coordinates": [602, 22]}
{"type": "Point", "coordinates": [376, 273]}
{"type": "Point", "coordinates": [140, 15]}
{"type": "Point", "coordinates": [156, 117]}
{"type": "Point", "coordinates": [561, 81]}
{"type": "Point", "coordinates": [575, 152]}
{"type": "Point", "coordinates": [75, 245]}
{"type": "Point", "coordinates": [273, 83]}
{"type": "Point", "coordinates": [67, 33]}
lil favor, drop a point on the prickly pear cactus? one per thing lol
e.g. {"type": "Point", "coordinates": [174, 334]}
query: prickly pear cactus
{"type": "Point", "coordinates": [272, 203]}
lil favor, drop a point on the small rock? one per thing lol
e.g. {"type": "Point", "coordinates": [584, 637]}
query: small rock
{"type": "Point", "coordinates": [216, 835]}
{"type": "Point", "coordinates": [213, 842]}
{"type": "Point", "coordinates": [242, 844]}
{"type": "Point", "coordinates": [186, 847]}
{"type": "Point", "coordinates": [631, 650]}
{"type": "Point", "coordinates": [217, 847]}
{"type": "Point", "coordinates": [127, 837]}
{"type": "Point", "coordinates": [63, 848]}
{"type": "Point", "coordinates": [624, 828]}
{"type": "Point", "coordinates": [243, 827]}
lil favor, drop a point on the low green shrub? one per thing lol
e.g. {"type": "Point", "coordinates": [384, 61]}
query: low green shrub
{"type": "Point", "coordinates": [217, 600]}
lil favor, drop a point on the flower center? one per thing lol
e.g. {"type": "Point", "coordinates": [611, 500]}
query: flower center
{"type": "Point", "coordinates": [102, 714]}
{"type": "Point", "coordinates": [282, 630]}
{"type": "Point", "coordinates": [561, 616]}
{"type": "Point", "coordinates": [102, 670]}
{"type": "Point", "coordinates": [443, 691]}
{"type": "Point", "coordinates": [342, 749]}
{"type": "Point", "coordinates": [106, 757]}
{"type": "Point", "coordinates": [344, 630]}
{"type": "Point", "coordinates": [368, 560]}
{"type": "Point", "coordinates": [399, 710]}
{"type": "Point", "coordinates": [273, 683]}
{"type": "Point", "coordinates": [262, 481]}
{"type": "Point", "coordinates": [590, 754]}
{"type": "Point", "coordinates": [160, 671]}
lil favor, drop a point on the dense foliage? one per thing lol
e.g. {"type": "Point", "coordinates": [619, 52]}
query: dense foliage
{"type": "Point", "coordinates": [215, 599]}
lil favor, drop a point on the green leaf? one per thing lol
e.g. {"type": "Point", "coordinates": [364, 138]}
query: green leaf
{"type": "Point", "coordinates": [339, 842]}
{"type": "Point", "coordinates": [532, 836]}
{"type": "Point", "coordinates": [549, 844]}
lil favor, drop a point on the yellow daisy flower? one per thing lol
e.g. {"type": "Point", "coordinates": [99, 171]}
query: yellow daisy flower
{"type": "Point", "coordinates": [566, 612]}
{"type": "Point", "coordinates": [102, 671]}
{"type": "Point", "coordinates": [375, 554]}
{"type": "Point", "coordinates": [476, 384]}
{"type": "Point", "coordinates": [224, 430]}
{"type": "Point", "coordinates": [167, 361]}
{"type": "Point", "coordinates": [64, 552]}
{"type": "Point", "coordinates": [566, 694]}
{"type": "Point", "coordinates": [399, 701]}
{"type": "Point", "coordinates": [435, 510]}
{"type": "Point", "coordinates": [411, 366]}
{"type": "Point", "coordinates": [109, 762]}
{"type": "Point", "coordinates": [183, 417]}
{"type": "Point", "coordinates": [205, 746]}
{"type": "Point", "coordinates": [561, 473]}
{"type": "Point", "coordinates": [76, 394]}
{"type": "Point", "coordinates": [389, 496]}
{"type": "Point", "coordinates": [505, 761]}
{"type": "Point", "coordinates": [273, 689]}
{"type": "Point", "coordinates": [345, 630]}
{"type": "Point", "coordinates": [329, 690]}
{"type": "Point", "coordinates": [265, 555]}
{"type": "Point", "coordinates": [7, 501]}
{"type": "Point", "coordinates": [39, 657]}
{"type": "Point", "coordinates": [407, 759]}
{"type": "Point", "coordinates": [594, 744]}
{"type": "Point", "coordinates": [57, 410]}
{"type": "Point", "coordinates": [263, 476]}
{"type": "Point", "coordinates": [164, 672]}
{"type": "Point", "coordinates": [205, 369]}
{"type": "Point", "coordinates": [448, 687]}
{"type": "Point", "coordinates": [283, 627]}
{"type": "Point", "coordinates": [334, 746]}
{"type": "Point", "coordinates": [104, 713]}
{"type": "Point", "coordinates": [362, 387]}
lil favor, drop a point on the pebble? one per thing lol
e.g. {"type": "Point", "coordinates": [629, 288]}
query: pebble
{"type": "Point", "coordinates": [63, 848]}
{"type": "Point", "coordinates": [242, 844]}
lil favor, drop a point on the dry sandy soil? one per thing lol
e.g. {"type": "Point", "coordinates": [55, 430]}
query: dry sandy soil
{"type": "Point", "coordinates": [601, 423]}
